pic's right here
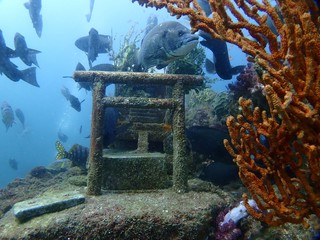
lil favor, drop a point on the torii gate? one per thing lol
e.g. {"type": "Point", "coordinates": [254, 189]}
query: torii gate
{"type": "Point", "coordinates": [179, 83]}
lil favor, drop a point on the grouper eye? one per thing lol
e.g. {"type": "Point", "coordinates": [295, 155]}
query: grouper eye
{"type": "Point", "coordinates": [180, 33]}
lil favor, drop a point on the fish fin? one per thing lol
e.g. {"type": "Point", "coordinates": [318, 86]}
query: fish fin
{"type": "Point", "coordinates": [80, 67]}
{"type": "Point", "coordinates": [210, 66]}
{"type": "Point", "coordinates": [33, 58]}
{"type": "Point", "coordinates": [88, 17]}
{"type": "Point", "coordinates": [27, 5]}
{"type": "Point", "coordinates": [237, 69]}
{"type": "Point", "coordinates": [61, 151]}
{"type": "Point", "coordinates": [29, 76]}
{"type": "Point", "coordinates": [10, 53]}
{"type": "Point", "coordinates": [33, 51]}
{"type": "Point", "coordinates": [82, 101]}
{"type": "Point", "coordinates": [205, 43]}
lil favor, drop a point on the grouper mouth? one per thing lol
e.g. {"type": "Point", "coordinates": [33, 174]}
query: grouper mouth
{"type": "Point", "coordinates": [188, 44]}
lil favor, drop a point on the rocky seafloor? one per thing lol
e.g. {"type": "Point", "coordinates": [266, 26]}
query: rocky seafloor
{"type": "Point", "coordinates": [159, 214]}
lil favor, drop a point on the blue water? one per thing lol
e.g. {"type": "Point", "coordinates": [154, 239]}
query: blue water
{"type": "Point", "coordinates": [46, 110]}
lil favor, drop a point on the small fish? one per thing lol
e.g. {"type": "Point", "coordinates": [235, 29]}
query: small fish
{"type": "Point", "coordinates": [62, 137]}
{"type": "Point", "coordinates": [74, 101]}
{"type": "Point", "coordinates": [77, 154]}
{"type": "Point", "coordinates": [27, 55]}
{"type": "Point", "coordinates": [13, 73]}
{"type": "Point", "coordinates": [34, 7]}
{"type": "Point", "coordinates": [166, 127]}
{"type": "Point", "coordinates": [80, 129]}
{"type": "Point", "coordinates": [164, 43]}
{"type": "Point", "coordinates": [94, 44]}
{"type": "Point", "coordinates": [20, 116]}
{"type": "Point", "coordinates": [7, 115]}
{"type": "Point", "coordinates": [13, 163]}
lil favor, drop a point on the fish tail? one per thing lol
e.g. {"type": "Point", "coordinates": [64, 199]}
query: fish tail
{"type": "Point", "coordinates": [29, 75]}
{"type": "Point", "coordinates": [61, 151]}
{"type": "Point", "coordinates": [237, 69]}
{"type": "Point", "coordinates": [32, 56]}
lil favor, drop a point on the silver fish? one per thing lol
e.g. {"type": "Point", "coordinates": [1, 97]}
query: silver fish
{"type": "Point", "coordinates": [7, 115]}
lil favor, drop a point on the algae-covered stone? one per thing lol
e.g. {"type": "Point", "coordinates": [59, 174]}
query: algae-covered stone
{"type": "Point", "coordinates": [37, 206]}
{"type": "Point", "coordinates": [134, 171]}
{"type": "Point", "coordinates": [80, 181]}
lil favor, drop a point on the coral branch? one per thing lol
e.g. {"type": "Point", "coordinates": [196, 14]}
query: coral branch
{"type": "Point", "coordinates": [278, 155]}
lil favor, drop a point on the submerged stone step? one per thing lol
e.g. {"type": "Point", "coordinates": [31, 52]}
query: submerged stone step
{"type": "Point", "coordinates": [134, 171]}
{"type": "Point", "coordinates": [34, 207]}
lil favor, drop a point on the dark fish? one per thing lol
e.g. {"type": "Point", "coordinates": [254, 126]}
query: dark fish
{"type": "Point", "coordinates": [13, 163]}
{"type": "Point", "coordinates": [77, 154]}
{"type": "Point", "coordinates": [74, 101]}
{"type": "Point", "coordinates": [80, 129]}
{"type": "Point", "coordinates": [34, 7]}
{"type": "Point", "coordinates": [11, 70]}
{"type": "Point", "coordinates": [13, 73]}
{"type": "Point", "coordinates": [62, 137]}
{"type": "Point", "coordinates": [88, 16]}
{"type": "Point", "coordinates": [100, 67]}
{"type": "Point", "coordinates": [165, 43]}
{"type": "Point", "coordinates": [7, 115]}
{"type": "Point", "coordinates": [94, 44]}
{"type": "Point", "coordinates": [20, 116]}
{"type": "Point", "coordinates": [221, 63]}
{"type": "Point", "coordinates": [27, 55]}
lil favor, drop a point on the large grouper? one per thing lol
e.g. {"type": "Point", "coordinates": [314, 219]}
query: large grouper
{"type": "Point", "coordinates": [165, 43]}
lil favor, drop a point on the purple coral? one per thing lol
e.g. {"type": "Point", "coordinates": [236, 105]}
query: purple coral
{"type": "Point", "coordinates": [246, 84]}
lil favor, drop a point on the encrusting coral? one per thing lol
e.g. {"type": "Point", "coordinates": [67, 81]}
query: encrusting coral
{"type": "Point", "coordinates": [278, 155]}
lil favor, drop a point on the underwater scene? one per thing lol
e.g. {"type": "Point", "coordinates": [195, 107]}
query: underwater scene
{"type": "Point", "coordinates": [160, 119]}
